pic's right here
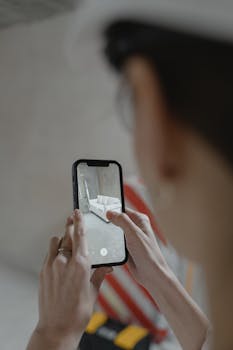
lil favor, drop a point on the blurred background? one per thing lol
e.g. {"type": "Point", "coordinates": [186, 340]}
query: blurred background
{"type": "Point", "coordinates": [52, 113]}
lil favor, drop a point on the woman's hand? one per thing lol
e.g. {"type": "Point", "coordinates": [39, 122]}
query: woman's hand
{"type": "Point", "coordinates": [67, 290]}
{"type": "Point", "coordinates": [149, 268]}
{"type": "Point", "coordinates": [145, 257]}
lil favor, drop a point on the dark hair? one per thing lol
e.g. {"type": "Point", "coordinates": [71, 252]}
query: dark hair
{"type": "Point", "coordinates": [196, 74]}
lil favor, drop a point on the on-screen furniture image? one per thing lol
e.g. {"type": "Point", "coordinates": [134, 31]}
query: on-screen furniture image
{"type": "Point", "coordinates": [101, 204]}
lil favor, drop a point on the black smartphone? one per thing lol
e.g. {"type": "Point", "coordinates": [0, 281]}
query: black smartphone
{"type": "Point", "coordinates": [97, 188]}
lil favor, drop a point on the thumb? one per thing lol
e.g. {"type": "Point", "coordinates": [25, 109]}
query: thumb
{"type": "Point", "coordinates": [99, 275]}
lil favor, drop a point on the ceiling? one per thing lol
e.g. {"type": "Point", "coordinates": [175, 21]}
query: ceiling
{"type": "Point", "coordinates": [20, 11]}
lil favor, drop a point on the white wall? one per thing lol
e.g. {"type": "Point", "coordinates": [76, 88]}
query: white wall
{"type": "Point", "coordinates": [51, 113]}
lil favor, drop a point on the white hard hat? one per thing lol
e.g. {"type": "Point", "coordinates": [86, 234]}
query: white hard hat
{"type": "Point", "coordinates": [17, 12]}
{"type": "Point", "coordinates": [212, 18]}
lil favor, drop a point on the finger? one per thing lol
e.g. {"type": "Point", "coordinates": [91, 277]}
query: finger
{"type": "Point", "coordinates": [134, 216]}
{"type": "Point", "coordinates": [53, 250]}
{"type": "Point", "coordinates": [69, 230]}
{"type": "Point", "coordinates": [131, 264]}
{"type": "Point", "coordinates": [99, 275]}
{"type": "Point", "coordinates": [137, 217]}
{"type": "Point", "coordinates": [61, 260]}
{"type": "Point", "coordinates": [134, 235]}
{"type": "Point", "coordinates": [141, 220]}
{"type": "Point", "coordinates": [132, 213]}
{"type": "Point", "coordinates": [79, 241]}
{"type": "Point", "coordinates": [45, 259]}
{"type": "Point", "coordinates": [122, 220]}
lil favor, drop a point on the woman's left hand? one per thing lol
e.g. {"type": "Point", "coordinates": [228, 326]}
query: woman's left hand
{"type": "Point", "coordinates": [68, 291]}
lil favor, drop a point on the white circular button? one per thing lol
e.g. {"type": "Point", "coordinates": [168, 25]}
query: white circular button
{"type": "Point", "coordinates": [103, 251]}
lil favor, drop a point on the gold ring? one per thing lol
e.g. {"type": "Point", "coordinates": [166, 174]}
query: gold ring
{"type": "Point", "coordinates": [64, 251]}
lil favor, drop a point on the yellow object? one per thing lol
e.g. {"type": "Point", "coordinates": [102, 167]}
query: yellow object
{"type": "Point", "coordinates": [130, 336]}
{"type": "Point", "coordinates": [97, 320]}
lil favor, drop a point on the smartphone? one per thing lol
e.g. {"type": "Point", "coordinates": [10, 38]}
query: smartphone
{"type": "Point", "coordinates": [97, 188]}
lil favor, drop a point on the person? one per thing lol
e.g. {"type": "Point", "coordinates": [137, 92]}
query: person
{"type": "Point", "coordinates": [179, 78]}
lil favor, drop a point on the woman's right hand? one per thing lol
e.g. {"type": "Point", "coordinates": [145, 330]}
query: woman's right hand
{"type": "Point", "coordinates": [145, 257]}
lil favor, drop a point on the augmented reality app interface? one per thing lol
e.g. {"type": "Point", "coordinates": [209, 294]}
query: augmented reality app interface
{"type": "Point", "coordinates": [100, 191]}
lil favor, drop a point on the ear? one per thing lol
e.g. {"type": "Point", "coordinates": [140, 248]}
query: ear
{"type": "Point", "coordinates": [162, 132]}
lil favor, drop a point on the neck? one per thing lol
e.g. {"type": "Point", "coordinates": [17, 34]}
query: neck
{"type": "Point", "coordinates": [219, 272]}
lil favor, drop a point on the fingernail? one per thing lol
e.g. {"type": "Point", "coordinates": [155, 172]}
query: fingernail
{"type": "Point", "coordinates": [77, 213]}
{"type": "Point", "coordinates": [111, 214]}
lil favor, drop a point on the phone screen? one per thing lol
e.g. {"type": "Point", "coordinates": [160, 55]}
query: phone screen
{"type": "Point", "coordinates": [99, 189]}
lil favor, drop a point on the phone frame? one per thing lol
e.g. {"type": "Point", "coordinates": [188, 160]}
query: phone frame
{"type": "Point", "coordinates": [101, 163]}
